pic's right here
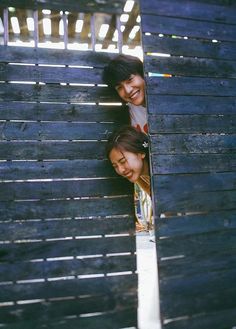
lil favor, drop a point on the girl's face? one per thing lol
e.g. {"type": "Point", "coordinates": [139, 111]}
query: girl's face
{"type": "Point", "coordinates": [127, 164]}
{"type": "Point", "coordinates": [132, 90]}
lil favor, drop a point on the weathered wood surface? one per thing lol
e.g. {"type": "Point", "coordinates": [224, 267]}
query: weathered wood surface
{"type": "Point", "coordinates": [62, 189]}
{"type": "Point", "coordinates": [182, 104]}
{"type": "Point", "coordinates": [193, 124]}
{"type": "Point", "coordinates": [59, 228]}
{"type": "Point", "coordinates": [92, 6]}
{"type": "Point", "coordinates": [59, 309]}
{"type": "Point", "coordinates": [56, 169]}
{"type": "Point", "coordinates": [26, 251]}
{"type": "Point", "coordinates": [190, 47]}
{"type": "Point", "coordinates": [191, 265]}
{"type": "Point", "coordinates": [196, 10]}
{"type": "Point", "coordinates": [216, 286]}
{"type": "Point", "coordinates": [113, 319]}
{"type": "Point", "coordinates": [37, 150]}
{"type": "Point", "coordinates": [193, 143]}
{"type": "Point", "coordinates": [193, 163]}
{"type": "Point", "coordinates": [73, 287]}
{"type": "Point", "coordinates": [67, 220]}
{"type": "Point", "coordinates": [66, 208]}
{"type": "Point", "coordinates": [55, 130]}
{"type": "Point", "coordinates": [189, 224]}
{"type": "Point", "coordinates": [55, 93]}
{"type": "Point", "coordinates": [61, 112]}
{"type": "Point", "coordinates": [214, 320]}
{"type": "Point", "coordinates": [75, 58]}
{"type": "Point", "coordinates": [190, 86]}
{"type": "Point", "coordinates": [52, 74]}
{"type": "Point", "coordinates": [188, 28]}
{"type": "Point", "coordinates": [192, 121]}
{"type": "Point", "coordinates": [192, 67]}
{"type": "Point", "coordinates": [46, 131]}
{"type": "Point", "coordinates": [196, 245]}
{"type": "Point", "coordinates": [71, 267]}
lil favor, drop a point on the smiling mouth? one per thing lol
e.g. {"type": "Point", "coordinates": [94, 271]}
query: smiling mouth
{"type": "Point", "coordinates": [129, 175]}
{"type": "Point", "coordinates": [134, 95]}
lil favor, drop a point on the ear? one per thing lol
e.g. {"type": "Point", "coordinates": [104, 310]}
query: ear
{"type": "Point", "coordinates": [143, 155]}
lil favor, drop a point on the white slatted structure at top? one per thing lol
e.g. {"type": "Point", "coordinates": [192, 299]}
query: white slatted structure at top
{"type": "Point", "coordinates": [112, 27]}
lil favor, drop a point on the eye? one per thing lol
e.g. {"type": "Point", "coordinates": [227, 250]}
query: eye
{"type": "Point", "coordinates": [131, 77]}
{"type": "Point", "coordinates": [117, 88]}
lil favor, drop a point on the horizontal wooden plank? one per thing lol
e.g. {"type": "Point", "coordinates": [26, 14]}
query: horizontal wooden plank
{"type": "Point", "coordinates": [191, 67]}
{"type": "Point", "coordinates": [218, 288]}
{"type": "Point", "coordinates": [43, 150]}
{"type": "Point", "coordinates": [54, 229]}
{"type": "Point", "coordinates": [188, 184]}
{"type": "Point", "coordinates": [56, 310]}
{"type": "Point", "coordinates": [56, 93]}
{"type": "Point", "coordinates": [193, 143]}
{"type": "Point", "coordinates": [115, 320]}
{"type": "Point", "coordinates": [187, 224]}
{"type": "Point", "coordinates": [194, 123]}
{"type": "Point", "coordinates": [197, 246]}
{"type": "Point", "coordinates": [32, 55]}
{"type": "Point", "coordinates": [199, 192]}
{"type": "Point", "coordinates": [193, 163]}
{"type": "Point", "coordinates": [74, 287]}
{"type": "Point", "coordinates": [188, 47]}
{"type": "Point", "coordinates": [188, 28]}
{"type": "Point", "coordinates": [188, 266]}
{"type": "Point", "coordinates": [61, 112]}
{"type": "Point", "coordinates": [214, 320]}
{"type": "Point", "coordinates": [181, 104]}
{"type": "Point", "coordinates": [83, 6]}
{"type": "Point", "coordinates": [55, 130]}
{"type": "Point", "coordinates": [55, 169]}
{"type": "Point", "coordinates": [72, 188]}
{"type": "Point", "coordinates": [196, 10]}
{"type": "Point", "coordinates": [67, 208]}
{"type": "Point", "coordinates": [187, 86]}
{"type": "Point", "coordinates": [26, 251]}
{"type": "Point", "coordinates": [47, 74]}
{"type": "Point", "coordinates": [19, 271]}
{"type": "Point", "coordinates": [203, 201]}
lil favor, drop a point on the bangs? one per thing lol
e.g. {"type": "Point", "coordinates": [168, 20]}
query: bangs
{"type": "Point", "coordinates": [120, 74]}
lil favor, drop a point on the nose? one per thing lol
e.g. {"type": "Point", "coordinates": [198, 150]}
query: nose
{"type": "Point", "coordinates": [121, 169]}
{"type": "Point", "coordinates": [127, 88]}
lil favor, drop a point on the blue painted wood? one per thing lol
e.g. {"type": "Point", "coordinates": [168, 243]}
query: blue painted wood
{"type": "Point", "coordinates": [66, 208]}
{"type": "Point", "coordinates": [192, 142]}
{"type": "Point", "coordinates": [66, 219]}
{"type": "Point", "coordinates": [185, 27]}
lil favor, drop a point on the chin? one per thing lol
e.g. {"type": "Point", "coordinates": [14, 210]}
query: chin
{"type": "Point", "coordinates": [138, 102]}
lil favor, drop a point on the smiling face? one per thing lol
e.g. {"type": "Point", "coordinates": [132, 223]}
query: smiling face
{"type": "Point", "coordinates": [132, 90]}
{"type": "Point", "coordinates": [127, 164]}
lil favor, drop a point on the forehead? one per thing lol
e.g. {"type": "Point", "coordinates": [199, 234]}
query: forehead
{"type": "Point", "coordinates": [127, 78]}
{"type": "Point", "coordinates": [116, 154]}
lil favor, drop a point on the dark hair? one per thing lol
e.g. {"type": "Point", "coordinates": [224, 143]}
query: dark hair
{"type": "Point", "coordinates": [128, 138]}
{"type": "Point", "coordinates": [120, 68]}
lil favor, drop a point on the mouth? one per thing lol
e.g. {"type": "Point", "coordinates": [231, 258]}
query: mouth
{"type": "Point", "coordinates": [128, 175]}
{"type": "Point", "coordinates": [134, 95]}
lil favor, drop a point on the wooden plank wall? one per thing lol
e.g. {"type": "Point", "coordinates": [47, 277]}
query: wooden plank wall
{"type": "Point", "coordinates": [67, 244]}
{"type": "Point", "coordinates": [89, 6]}
{"type": "Point", "coordinates": [192, 125]}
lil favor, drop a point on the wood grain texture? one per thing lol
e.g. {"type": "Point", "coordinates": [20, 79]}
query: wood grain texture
{"type": "Point", "coordinates": [192, 129]}
{"type": "Point", "coordinates": [220, 11]}
{"type": "Point", "coordinates": [188, 28]}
